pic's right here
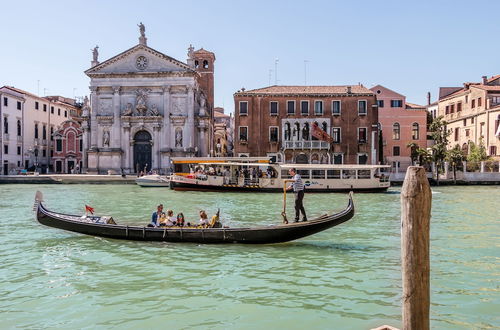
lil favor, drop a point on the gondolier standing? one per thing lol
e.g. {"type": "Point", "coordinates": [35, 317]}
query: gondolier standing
{"type": "Point", "coordinates": [298, 190]}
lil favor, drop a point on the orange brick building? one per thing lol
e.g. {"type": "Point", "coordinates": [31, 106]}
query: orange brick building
{"type": "Point", "coordinates": [277, 121]}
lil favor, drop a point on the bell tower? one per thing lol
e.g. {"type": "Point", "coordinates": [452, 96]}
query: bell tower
{"type": "Point", "coordinates": [203, 62]}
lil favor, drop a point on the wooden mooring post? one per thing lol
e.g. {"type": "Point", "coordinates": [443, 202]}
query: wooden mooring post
{"type": "Point", "coordinates": [416, 200]}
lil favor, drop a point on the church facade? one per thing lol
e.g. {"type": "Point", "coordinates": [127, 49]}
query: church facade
{"type": "Point", "coordinates": [146, 107]}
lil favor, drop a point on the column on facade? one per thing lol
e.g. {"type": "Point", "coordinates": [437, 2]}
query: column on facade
{"type": "Point", "coordinates": [93, 117]}
{"type": "Point", "coordinates": [202, 129]}
{"type": "Point", "coordinates": [156, 147]}
{"type": "Point", "coordinates": [190, 111]}
{"type": "Point", "coordinates": [85, 144]}
{"type": "Point", "coordinates": [166, 137]}
{"type": "Point", "coordinates": [126, 148]}
{"type": "Point", "coordinates": [116, 136]}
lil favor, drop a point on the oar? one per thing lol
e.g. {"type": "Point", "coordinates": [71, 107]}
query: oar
{"type": "Point", "coordinates": [283, 214]}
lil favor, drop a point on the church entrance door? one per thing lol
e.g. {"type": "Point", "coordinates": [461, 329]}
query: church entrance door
{"type": "Point", "coordinates": [142, 151]}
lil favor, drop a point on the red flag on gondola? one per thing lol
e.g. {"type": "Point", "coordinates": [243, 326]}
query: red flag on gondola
{"type": "Point", "coordinates": [319, 134]}
{"type": "Point", "coordinates": [89, 209]}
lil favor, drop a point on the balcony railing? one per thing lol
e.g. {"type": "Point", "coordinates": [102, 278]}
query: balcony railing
{"type": "Point", "coordinates": [306, 145]}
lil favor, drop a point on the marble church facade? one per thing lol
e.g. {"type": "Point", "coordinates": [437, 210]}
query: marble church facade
{"type": "Point", "coordinates": [146, 107]}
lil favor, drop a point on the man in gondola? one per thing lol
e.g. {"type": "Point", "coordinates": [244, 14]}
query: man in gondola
{"type": "Point", "coordinates": [298, 190]}
{"type": "Point", "coordinates": [155, 218]}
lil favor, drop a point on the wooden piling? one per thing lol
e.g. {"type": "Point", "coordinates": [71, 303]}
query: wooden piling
{"type": "Point", "coordinates": [416, 200]}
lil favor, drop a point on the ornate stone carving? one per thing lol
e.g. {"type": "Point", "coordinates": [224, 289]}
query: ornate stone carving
{"type": "Point", "coordinates": [128, 111]}
{"type": "Point", "coordinates": [178, 137]}
{"type": "Point", "coordinates": [105, 138]}
{"type": "Point", "coordinates": [190, 51]}
{"type": "Point", "coordinates": [154, 111]}
{"type": "Point", "coordinates": [142, 29]}
{"type": "Point", "coordinates": [85, 107]}
{"type": "Point", "coordinates": [116, 89]}
{"type": "Point", "coordinates": [105, 107]}
{"type": "Point", "coordinates": [95, 53]}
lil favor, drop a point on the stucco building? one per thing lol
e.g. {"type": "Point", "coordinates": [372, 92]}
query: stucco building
{"type": "Point", "coordinates": [146, 107]}
{"type": "Point", "coordinates": [473, 114]}
{"type": "Point", "coordinates": [28, 122]}
{"type": "Point", "coordinates": [278, 121]}
{"type": "Point", "coordinates": [223, 133]}
{"type": "Point", "coordinates": [401, 123]}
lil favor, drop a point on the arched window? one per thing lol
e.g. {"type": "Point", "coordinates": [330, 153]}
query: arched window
{"type": "Point", "coordinates": [324, 126]}
{"type": "Point", "coordinates": [296, 131]}
{"type": "Point", "coordinates": [414, 131]}
{"type": "Point", "coordinates": [196, 64]}
{"type": "Point", "coordinates": [19, 131]}
{"type": "Point", "coordinates": [287, 131]}
{"type": "Point", "coordinates": [5, 125]}
{"type": "Point", "coordinates": [36, 131]}
{"type": "Point", "coordinates": [305, 132]}
{"type": "Point", "coordinates": [205, 64]}
{"type": "Point", "coordinates": [396, 131]}
{"type": "Point", "coordinates": [315, 125]}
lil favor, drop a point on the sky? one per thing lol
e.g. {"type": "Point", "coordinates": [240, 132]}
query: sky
{"type": "Point", "coordinates": [411, 47]}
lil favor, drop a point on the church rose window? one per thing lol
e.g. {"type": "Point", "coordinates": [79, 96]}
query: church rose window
{"type": "Point", "coordinates": [141, 63]}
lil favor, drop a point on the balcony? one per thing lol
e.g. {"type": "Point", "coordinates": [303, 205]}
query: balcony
{"type": "Point", "coordinates": [305, 145]}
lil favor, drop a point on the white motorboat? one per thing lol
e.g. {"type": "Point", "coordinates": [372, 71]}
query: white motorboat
{"type": "Point", "coordinates": [154, 180]}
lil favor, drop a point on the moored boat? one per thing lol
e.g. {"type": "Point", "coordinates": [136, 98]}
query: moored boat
{"type": "Point", "coordinates": [107, 227]}
{"type": "Point", "coordinates": [153, 180]}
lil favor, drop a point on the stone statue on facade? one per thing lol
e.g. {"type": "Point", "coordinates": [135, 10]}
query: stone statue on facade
{"type": "Point", "coordinates": [85, 107]}
{"type": "Point", "coordinates": [128, 110]}
{"type": "Point", "coordinates": [142, 29]}
{"type": "Point", "coordinates": [154, 110]}
{"type": "Point", "coordinates": [190, 51]}
{"type": "Point", "coordinates": [105, 138]}
{"type": "Point", "coordinates": [95, 53]}
{"type": "Point", "coordinates": [142, 99]}
{"type": "Point", "coordinates": [178, 138]}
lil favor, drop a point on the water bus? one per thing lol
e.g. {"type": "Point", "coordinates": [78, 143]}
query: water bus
{"type": "Point", "coordinates": [259, 174]}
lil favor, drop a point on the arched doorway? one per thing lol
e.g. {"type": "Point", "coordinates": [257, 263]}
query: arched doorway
{"type": "Point", "coordinates": [301, 159]}
{"type": "Point", "coordinates": [142, 151]}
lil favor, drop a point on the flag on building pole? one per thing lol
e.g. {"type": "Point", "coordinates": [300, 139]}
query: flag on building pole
{"type": "Point", "coordinates": [88, 209]}
{"type": "Point", "coordinates": [319, 134]}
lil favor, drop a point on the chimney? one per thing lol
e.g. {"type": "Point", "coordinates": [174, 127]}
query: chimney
{"type": "Point", "coordinates": [428, 98]}
{"type": "Point", "coordinates": [485, 80]}
{"type": "Point", "coordinates": [348, 89]}
{"type": "Point", "coordinates": [466, 85]}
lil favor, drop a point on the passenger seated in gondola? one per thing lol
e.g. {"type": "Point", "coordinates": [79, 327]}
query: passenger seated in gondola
{"type": "Point", "coordinates": [203, 219]}
{"type": "Point", "coordinates": [180, 220]}
{"type": "Point", "coordinates": [169, 220]}
{"type": "Point", "coordinates": [155, 218]}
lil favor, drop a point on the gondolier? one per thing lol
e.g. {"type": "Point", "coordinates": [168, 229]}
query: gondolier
{"type": "Point", "coordinates": [298, 190]}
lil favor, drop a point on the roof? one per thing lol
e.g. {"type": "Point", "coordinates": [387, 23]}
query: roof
{"type": "Point", "coordinates": [285, 90]}
{"type": "Point", "coordinates": [44, 99]}
{"type": "Point", "coordinates": [488, 88]}
{"type": "Point", "coordinates": [446, 91]}
{"type": "Point", "coordinates": [377, 87]}
{"type": "Point", "coordinates": [414, 106]}
{"type": "Point", "coordinates": [202, 51]}
{"type": "Point", "coordinates": [333, 166]}
{"type": "Point", "coordinates": [493, 78]}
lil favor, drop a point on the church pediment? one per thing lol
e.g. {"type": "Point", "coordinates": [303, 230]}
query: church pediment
{"type": "Point", "coordinates": [139, 59]}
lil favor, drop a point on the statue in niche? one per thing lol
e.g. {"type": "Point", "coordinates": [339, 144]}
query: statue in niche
{"type": "Point", "coordinates": [142, 29]}
{"type": "Point", "coordinates": [128, 110]}
{"type": "Point", "coordinates": [105, 138]}
{"type": "Point", "coordinates": [178, 137]}
{"type": "Point", "coordinates": [95, 53]}
{"type": "Point", "coordinates": [154, 110]}
{"type": "Point", "coordinates": [142, 98]}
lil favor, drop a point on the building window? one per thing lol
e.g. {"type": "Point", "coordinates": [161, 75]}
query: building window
{"type": "Point", "coordinates": [467, 132]}
{"type": "Point", "coordinates": [361, 134]}
{"type": "Point", "coordinates": [457, 130]}
{"type": "Point", "coordinates": [481, 129]}
{"type": "Point", "coordinates": [5, 125]}
{"type": "Point", "coordinates": [466, 98]}
{"type": "Point", "coordinates": [44, 132]}
{"type": "Point", "coordinates": [58, 145]}
{"type": "Point", "coordinates": [243, 108]}
{"type": "Point", "coordinates": [5, 102]}
{"type": "Point", "coordinates": [495, 100]}
{"type": "Point", "coordinates": [66, 113]}
{"type": "Point", "coordinates": [362, 159]}
{"type": "Point", "coordinates": [396, 103]}
{"type": "Point", "coordinates": [396, 151]}
{"type": "Point", "coordinates": [452, 108]}
{"type": "Point", "coordinates": [51, 133]}
{"type": "Point", "coordinates": [205, 64]}
{"type": "Point", "coordinates": [81, 145]}
{"type": "Point", "coordinates": [362, 107]}
{"type": "Point", "coordinates": [336, 135]}
{"type": "Point", "coordinates": [304, 107]}
{"type": "Point", "coordinates": [479, 103]}
{"type": "Point", "coordinates": [415, 131]}
{"type": "Point", "coordinates": [273, 106]}
{"type": "Point", "coordinates": [338, 158]}
{"type": "Point", "coordinates": [288, 131]}
{"type": "Point", "coordinates": [493, 150]}
{"type": "Point", "coordinates": [18, 151]}
{"type": "Point", "coordinates": [196, 64]}
{"type": "Point", "coordinates": [290, 107]}
{"type": "Point", "coordinates": [6, 149]}
{"type": "Point", "coordinates": [243, 133]}
{"type": "Point", "coordinates": [44, 153]}
{"type": "Point", "coordinates": [473, 103]}
{"type": "Point", "coordinates": [336, 108]}
{"type": "Point", "coordinates": [447, 110]}
{"type": "Point", "coordinates": [459, 106]}
{"type": "Point", "coordinates": [380, 103]}
{"type": "Point", "coordinates": [18, 105]}
{"type": "Point", "coordinates": [36, 131]}
{"type": "Point", "coordinates": [58, 111]}
{"type": "Point", "coordinates": [465, 121]}
{"type": "Point", "coordinates": [36, 105]}
{"type": "Point", "coordinates": [396, 131]}
{"type": "Point", "coordinates": [472, 120]}
{"type": "Point", "coordinates": [45, 108]}
{"type": "Point", "coordinates": [19, 130]}
{"type": "Point", "coordinates": [52, 110]}
{"type": "Point", "coordinates": [273, 133]}
{"type": "Point", "coordinates": [318, 107]}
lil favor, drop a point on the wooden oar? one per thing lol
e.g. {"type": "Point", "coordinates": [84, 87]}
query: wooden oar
{"type": "Point", "coordinates": [283, 214]}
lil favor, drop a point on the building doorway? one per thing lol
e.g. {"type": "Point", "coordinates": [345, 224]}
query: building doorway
{"type": "Point", "coordinates": [58, 166]}
{"type": "Point", "coordinates": [6, 168]}
{"type": "Point", "coordinates": [142, 151]}
{"type": "Point", "coordinates": [71, 166]}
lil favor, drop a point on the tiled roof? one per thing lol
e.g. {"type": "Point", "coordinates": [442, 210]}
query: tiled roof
{"type": "Point", "coordinates": [446, 91]}
{"type": "Point", "coordinates": [414, 106]}
{"type": "Point", "coordinates": [284, 90]}
{"type": "Point", "coordinates": [488, 88]}
{"type": "Point", "coordinates": [493, 78]}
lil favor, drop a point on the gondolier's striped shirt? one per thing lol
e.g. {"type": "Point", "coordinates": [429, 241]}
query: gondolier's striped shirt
{"type": "Point", "coordinates": [298, 185]}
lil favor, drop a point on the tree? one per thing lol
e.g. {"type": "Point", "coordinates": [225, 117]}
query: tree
{"type": "Point", "coordinates": [413, 151]}
{"type": "Point", "coordinates": [455, 156]}
{"type": "Point", "coordinates": [440, 136]}
{"type": "Point", "coordinates": [477, 153]}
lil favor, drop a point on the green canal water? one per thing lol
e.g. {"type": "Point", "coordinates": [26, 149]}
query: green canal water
{"type": "Point", "coordinates": [348, 277]}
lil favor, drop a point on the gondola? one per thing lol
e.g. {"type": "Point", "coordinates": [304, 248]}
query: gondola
{"type": "Point", "coordinates": [102, 226]}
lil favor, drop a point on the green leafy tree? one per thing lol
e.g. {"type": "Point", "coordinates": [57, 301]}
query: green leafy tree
{"type": "Point", "coordinates": [440, 136]}
{"type": "Point", "coordinates": [413, 151]}
{"type": "Point", "coordinates": [455, 156]}
{"type": "Point", "coordinates": [477, 153]}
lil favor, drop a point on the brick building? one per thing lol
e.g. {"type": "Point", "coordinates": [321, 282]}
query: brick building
{"type": "Point", "coordinates": [401, 123]}
{"type": "Point", "coordinates": [68, 150]}
{"type": "Point", "coordinates": [473, 114]}
{"type": "Point", "coordinates": [277, 121]}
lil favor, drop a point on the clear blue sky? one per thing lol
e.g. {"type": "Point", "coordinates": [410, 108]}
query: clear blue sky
{"type": "Point", "coordinates": [409, 46]}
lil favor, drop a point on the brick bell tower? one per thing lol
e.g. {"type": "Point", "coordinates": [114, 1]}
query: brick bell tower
{"type": "Point", "coordinates": [203, 63]}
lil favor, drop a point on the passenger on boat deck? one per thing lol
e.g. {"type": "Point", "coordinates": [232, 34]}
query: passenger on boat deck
{"type": "Point", "coordinates": [203, 219]}
{"type": "Point", "coordinates": [180, 220]}
{"type": "Point", "coordinates": [171, 220]}
{"type": "Point", "coordinates": [156, 216]}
